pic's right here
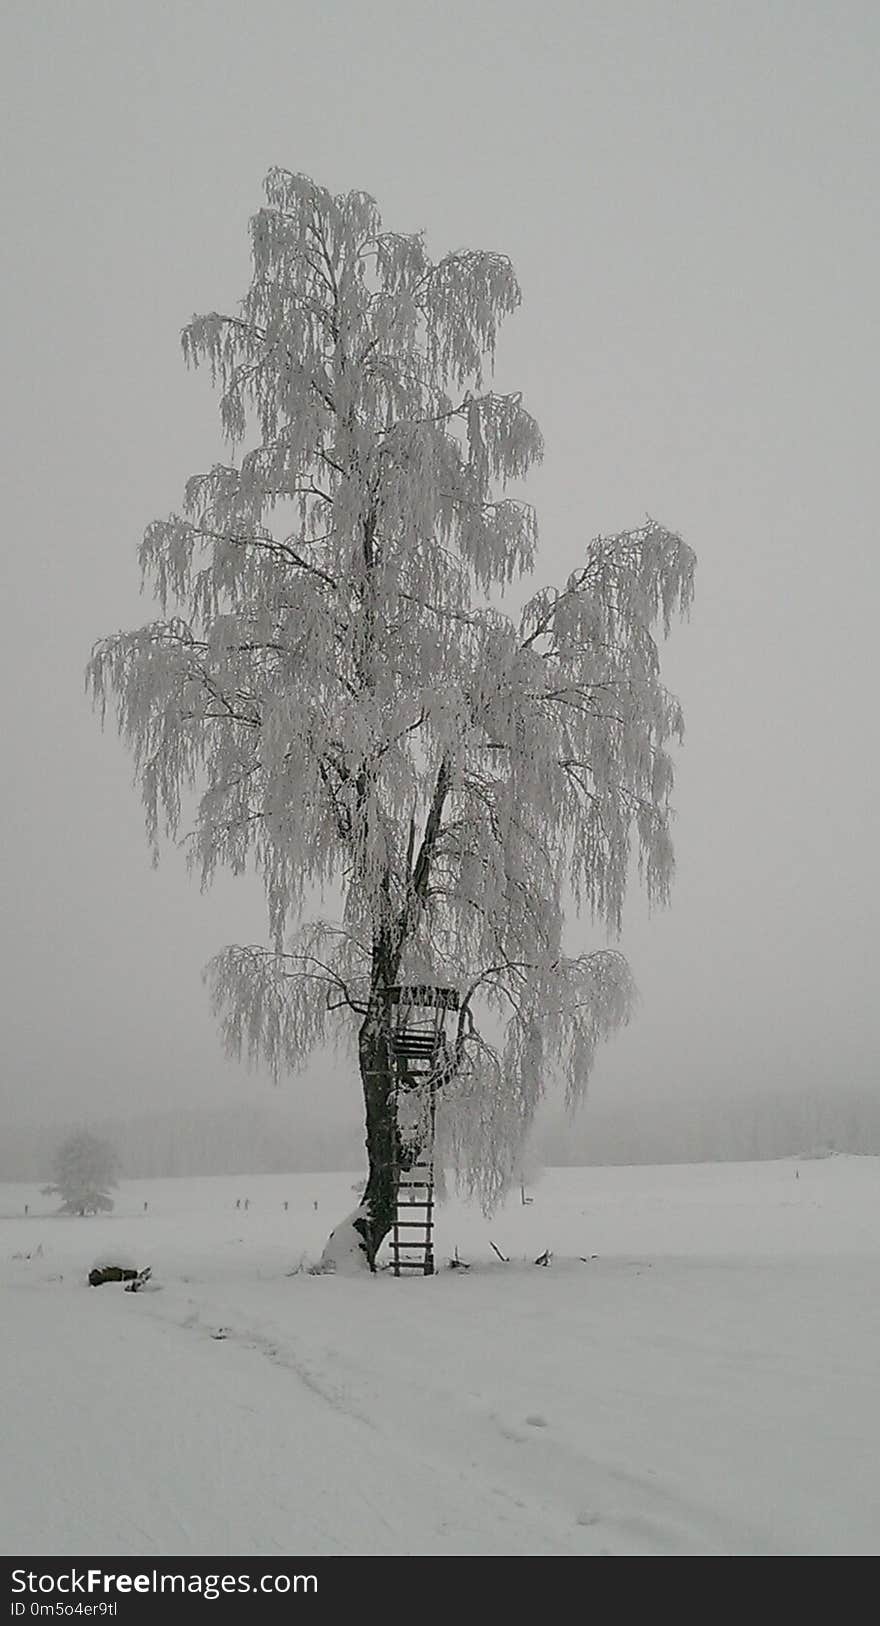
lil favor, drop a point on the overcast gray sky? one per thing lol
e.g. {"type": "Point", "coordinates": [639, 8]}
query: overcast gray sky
{"type": "Point", "coordinates": [688, 192]}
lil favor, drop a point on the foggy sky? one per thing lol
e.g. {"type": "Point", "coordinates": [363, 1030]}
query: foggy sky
{"type": "Point", "coordinates": [688, 193]}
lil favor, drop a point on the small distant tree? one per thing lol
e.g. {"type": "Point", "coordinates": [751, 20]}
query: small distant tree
{"type": "Point", "coordinates": [84, 1172]}
{"type": "Point", "coordinates": [334, 678]}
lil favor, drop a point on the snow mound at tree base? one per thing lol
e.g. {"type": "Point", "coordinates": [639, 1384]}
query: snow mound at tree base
{"type": "Point", "coordinates": [344, 1253]}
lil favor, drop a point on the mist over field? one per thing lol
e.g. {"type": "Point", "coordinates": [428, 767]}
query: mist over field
{"type": "Point", "coordinates": [270, 1138]}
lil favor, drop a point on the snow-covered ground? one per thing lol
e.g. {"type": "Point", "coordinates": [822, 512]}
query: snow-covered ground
{"type": "Point", "coordinates": [697, 1371]}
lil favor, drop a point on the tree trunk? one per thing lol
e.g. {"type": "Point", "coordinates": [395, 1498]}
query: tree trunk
{"type": "Point", "coordinates": [356, 1241]}
{"type": "Point", "coordinates": [382, 1138]}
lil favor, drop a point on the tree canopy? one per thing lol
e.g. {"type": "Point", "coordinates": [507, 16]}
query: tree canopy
{"type": "Point", "coordinates": [335, 690]}
{"type": "Point", "coordinates": [84, 1171]}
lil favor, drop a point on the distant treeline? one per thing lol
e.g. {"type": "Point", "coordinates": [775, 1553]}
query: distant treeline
{"type": "Point", "coordinates": [268, 1140]}
{"type": "Point", "coordinates": [712, 1129]}
{"type": "Point", "coordinates": [232, 1140]}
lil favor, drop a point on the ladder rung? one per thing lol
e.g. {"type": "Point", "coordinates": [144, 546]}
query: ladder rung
{"type": "Point", "coordinates": [415, 1205]}
{"type": "Point", "coordinates": [413, 1225]}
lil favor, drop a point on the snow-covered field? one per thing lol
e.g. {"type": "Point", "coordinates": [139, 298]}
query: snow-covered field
{"type": "Point", "coordinates": [697, 1371]}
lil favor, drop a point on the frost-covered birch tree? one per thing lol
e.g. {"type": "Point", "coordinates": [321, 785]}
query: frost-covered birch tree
{"type": "Point", "coordinates": [334, 690]}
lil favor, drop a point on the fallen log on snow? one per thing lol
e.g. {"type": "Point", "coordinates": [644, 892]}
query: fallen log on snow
{"type": "Point", "coordinates": [99, 1274]}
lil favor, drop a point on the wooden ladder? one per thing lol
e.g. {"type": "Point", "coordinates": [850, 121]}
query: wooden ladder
{"type": "Point", "coordinates": [416, 1049]}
